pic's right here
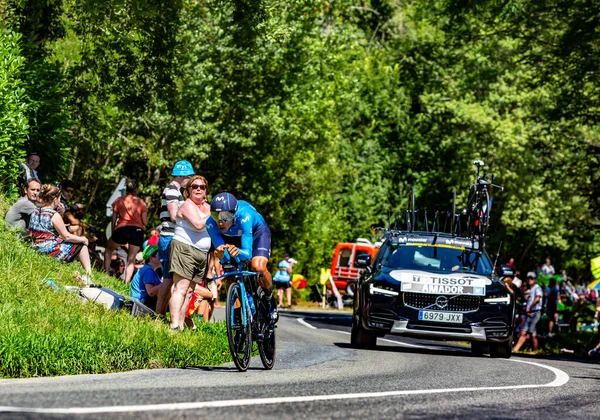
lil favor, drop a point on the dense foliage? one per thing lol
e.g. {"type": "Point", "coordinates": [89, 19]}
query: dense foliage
{"type": "Point", "coordinates": [323, 114]}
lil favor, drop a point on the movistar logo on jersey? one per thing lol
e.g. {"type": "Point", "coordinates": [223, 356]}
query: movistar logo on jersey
{"type": "Point", "coordinates": [245, 219]}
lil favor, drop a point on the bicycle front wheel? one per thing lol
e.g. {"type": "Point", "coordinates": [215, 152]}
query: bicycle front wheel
{"type": "Point", "coordinates": [239, 333]}
{"type": "Point", "coordinates": [266, 347]}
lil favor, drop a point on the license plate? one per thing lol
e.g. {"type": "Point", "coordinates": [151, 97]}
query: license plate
{"type": "Point", "coordinates": [440, 316]}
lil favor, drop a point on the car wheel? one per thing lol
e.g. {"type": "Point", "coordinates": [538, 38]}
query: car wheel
{"type": "Point", "coordinates": [501, 350]}
{"type": "Point", "coordinates": [360, 337]}
{"type": "Point", "coordinates": [478, 348]}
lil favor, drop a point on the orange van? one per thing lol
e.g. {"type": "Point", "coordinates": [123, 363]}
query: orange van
{"type": "Point", "coordinates": [343, 271]}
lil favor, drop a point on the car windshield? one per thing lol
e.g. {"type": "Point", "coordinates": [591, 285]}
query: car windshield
{"type": "Point", "coordinates": [436, 258]}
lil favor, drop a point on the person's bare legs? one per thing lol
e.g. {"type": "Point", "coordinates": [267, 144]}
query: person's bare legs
{"type": "Point", "coordinates": [84, 258]}
{"type": "Point", "coordinates": [288, 293]}
{"type": "Point", "coordinates": [534, 340]}
{"type": "Point", "coordinates": [111, 247]}
{"type": "Point", "coordinates": [164, 294]}
{"type": "Point", "coordinates": [179, 296]}
{"type": "Point", "coordinates": [280, 297]}
{"type": "Point", "coordinates": [131, 253]}
{"type": "Point", "coordinates": [522, 339]}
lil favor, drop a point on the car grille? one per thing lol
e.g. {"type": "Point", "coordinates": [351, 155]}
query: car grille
{"type": "Point", "coordinates": [458, 303]}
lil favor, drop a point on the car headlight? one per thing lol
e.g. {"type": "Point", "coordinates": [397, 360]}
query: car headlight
{"type": "Point", "coordinates": [375, 290]}
{"type": "Point", "coordinates": [498, 298]}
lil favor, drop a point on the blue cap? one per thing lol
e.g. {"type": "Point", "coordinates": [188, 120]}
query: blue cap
{"type": "Point", "coordinates": [224, 202]}
{"type": "Point", "coordinates": [183, 168]}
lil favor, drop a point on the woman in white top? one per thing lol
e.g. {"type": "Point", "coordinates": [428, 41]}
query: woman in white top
{"type": "Point", "coordinates": [189, 249]}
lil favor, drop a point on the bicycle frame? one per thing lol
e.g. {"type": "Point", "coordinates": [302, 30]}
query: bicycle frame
{"type": "Point", "coordinates": [239, 278]}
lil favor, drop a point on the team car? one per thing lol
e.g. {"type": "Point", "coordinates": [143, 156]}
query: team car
{"type": "Point", "coordinates": [433, 286]}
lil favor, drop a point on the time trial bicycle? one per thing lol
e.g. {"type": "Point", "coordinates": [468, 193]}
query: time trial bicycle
{"type": "Point", "coordinates": [248, 319]}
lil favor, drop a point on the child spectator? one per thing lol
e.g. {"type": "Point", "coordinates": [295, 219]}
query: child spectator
{"type": "Point", "coordinates": [146, 283]}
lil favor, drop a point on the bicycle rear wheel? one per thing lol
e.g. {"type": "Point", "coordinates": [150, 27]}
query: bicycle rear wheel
{"type": "Point", "coordinates": [238, 335]}
{"type": "Point", "coordinates": [484, 212]}
{"type": "Point", "coordinates": [266, 347]}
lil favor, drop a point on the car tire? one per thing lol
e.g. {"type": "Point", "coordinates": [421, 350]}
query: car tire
{"type": "Point", "coordinates": [360, 337]}
{"type": "Point", "coordinates": [478, 348]}
{"type": "Point", "coordinates": [502, 350]}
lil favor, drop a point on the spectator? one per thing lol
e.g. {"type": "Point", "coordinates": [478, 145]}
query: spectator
{"type": "Point", "coordinates": [28, 169]}
{"type": "Point", "coordinates": [172, 199]}
{"type": "Point", "coordinates": [547, 268]}
{"type": "Point", "coordinates": [552, 306]}
{"type": "Point", "coordinates": [511, 263]}
{"type": "Point", "coordinates": [130, 215]}
{"type": "Point", "coordinates": [146, 283]}
{"type": "Point", "coordinates": [189, 249]}
{"type": "Point", "coordinates": [72, 223]}
{"type": "Point", "coordinates": [532, 312]}
{"type": "Point", "coordinates": [282, 280]}
{"type": "Point", "coordinates": [50, 234]}
{"type": "Point", "coordinates": [20, 212]}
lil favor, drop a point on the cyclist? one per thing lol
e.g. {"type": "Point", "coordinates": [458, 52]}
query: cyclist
{"type": "Point", "coordinates": [237, 227]}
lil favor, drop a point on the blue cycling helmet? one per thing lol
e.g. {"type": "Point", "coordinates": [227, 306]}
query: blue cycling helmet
{"type": "Point", "coordinates": [224, 202]}
{"type": "Point", "coordinates": [183, 168]}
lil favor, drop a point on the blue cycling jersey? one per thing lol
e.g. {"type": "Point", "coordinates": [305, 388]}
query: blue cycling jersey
{"type": "Point", "coordinates": [245, 221]}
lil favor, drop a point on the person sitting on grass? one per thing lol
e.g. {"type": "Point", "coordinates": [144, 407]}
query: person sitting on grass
{"type": "Point", "coordinates": [19, 214]}
{"type": "Point", "coordinates": [50, 235]}
{"type": "Point", "coordinates": [146, 282]}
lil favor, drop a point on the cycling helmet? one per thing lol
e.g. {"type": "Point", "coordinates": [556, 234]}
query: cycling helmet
{"type": "Point", "coordinates": [224, 202]}
{"type": "Point", "coordinates": [183, 168]}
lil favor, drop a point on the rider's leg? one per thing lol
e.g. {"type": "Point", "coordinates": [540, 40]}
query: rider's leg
{"type": "Point", "coordinates": [259, 265]}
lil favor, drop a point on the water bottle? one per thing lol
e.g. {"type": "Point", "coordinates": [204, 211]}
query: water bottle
{"type": "Point", "coordinates": [50, 282]}
{"type": "Point", "coordinates": [251, 303]}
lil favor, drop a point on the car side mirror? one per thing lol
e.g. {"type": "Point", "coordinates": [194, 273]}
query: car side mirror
{"type": "Point", "coordinates": [363, 261]}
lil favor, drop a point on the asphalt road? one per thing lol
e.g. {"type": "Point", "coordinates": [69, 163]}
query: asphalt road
{"type": "Point", "coordinates": [319, 375]}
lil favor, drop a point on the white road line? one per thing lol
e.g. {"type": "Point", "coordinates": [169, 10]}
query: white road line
{"type": "Point", "coordinates": [561, 379]}
{"type": "Point", "coordinates": [306, 324]}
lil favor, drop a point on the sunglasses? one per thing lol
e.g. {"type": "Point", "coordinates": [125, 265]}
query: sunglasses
{"type": "Point", "coordinates": [225, 220]}
{"type": "Point", "coordinates": [196, 186]}
{"type": "Point", "coordinates": [69, 190]}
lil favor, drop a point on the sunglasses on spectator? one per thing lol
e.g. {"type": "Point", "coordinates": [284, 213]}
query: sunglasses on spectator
{"type": "Point", "coordinates": [196, 186]}
{"type": "Point", "coordinates": [69, 190]}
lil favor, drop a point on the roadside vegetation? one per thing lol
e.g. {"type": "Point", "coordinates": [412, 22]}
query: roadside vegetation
{"type": "Point", "coordinates": [47, 333]}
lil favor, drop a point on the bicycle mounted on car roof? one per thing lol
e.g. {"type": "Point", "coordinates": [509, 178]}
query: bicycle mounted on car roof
{"type": "Point", "coordinates": [247, 316]}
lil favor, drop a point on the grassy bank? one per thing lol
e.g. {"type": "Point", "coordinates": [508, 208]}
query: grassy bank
{"type": "Point", "coordinates": [46, 333]}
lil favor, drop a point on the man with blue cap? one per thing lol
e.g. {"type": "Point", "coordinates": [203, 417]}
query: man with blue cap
{"type": "Point", "coordinates": [172, 199]}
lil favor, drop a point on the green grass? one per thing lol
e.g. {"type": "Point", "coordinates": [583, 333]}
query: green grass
{"type": "Point", "coordinates": [47, 333]}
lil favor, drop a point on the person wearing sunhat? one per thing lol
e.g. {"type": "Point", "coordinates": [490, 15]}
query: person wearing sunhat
{"type": "Point", "coordinates": [146, 283]}
{"type": "Point", "coordinates": [172, 199]}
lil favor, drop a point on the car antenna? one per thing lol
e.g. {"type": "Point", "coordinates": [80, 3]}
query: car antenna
{"type": "Point", "coordinates": [497, 255]}
{"type": "Point", "coordinates": [436, 221]}
{"type": "Point", "coordinates": [426, 222]}
{"type": "Point", "coordinates": [408, 227]}
{"type": "Point", "coordinates": [412, 200]}
{"type": "Point", "coordinates": [453, 212]}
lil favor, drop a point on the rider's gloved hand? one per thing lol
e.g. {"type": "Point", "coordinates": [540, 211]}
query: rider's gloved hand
{"type": "Point", "coordinates": [233, 251]}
